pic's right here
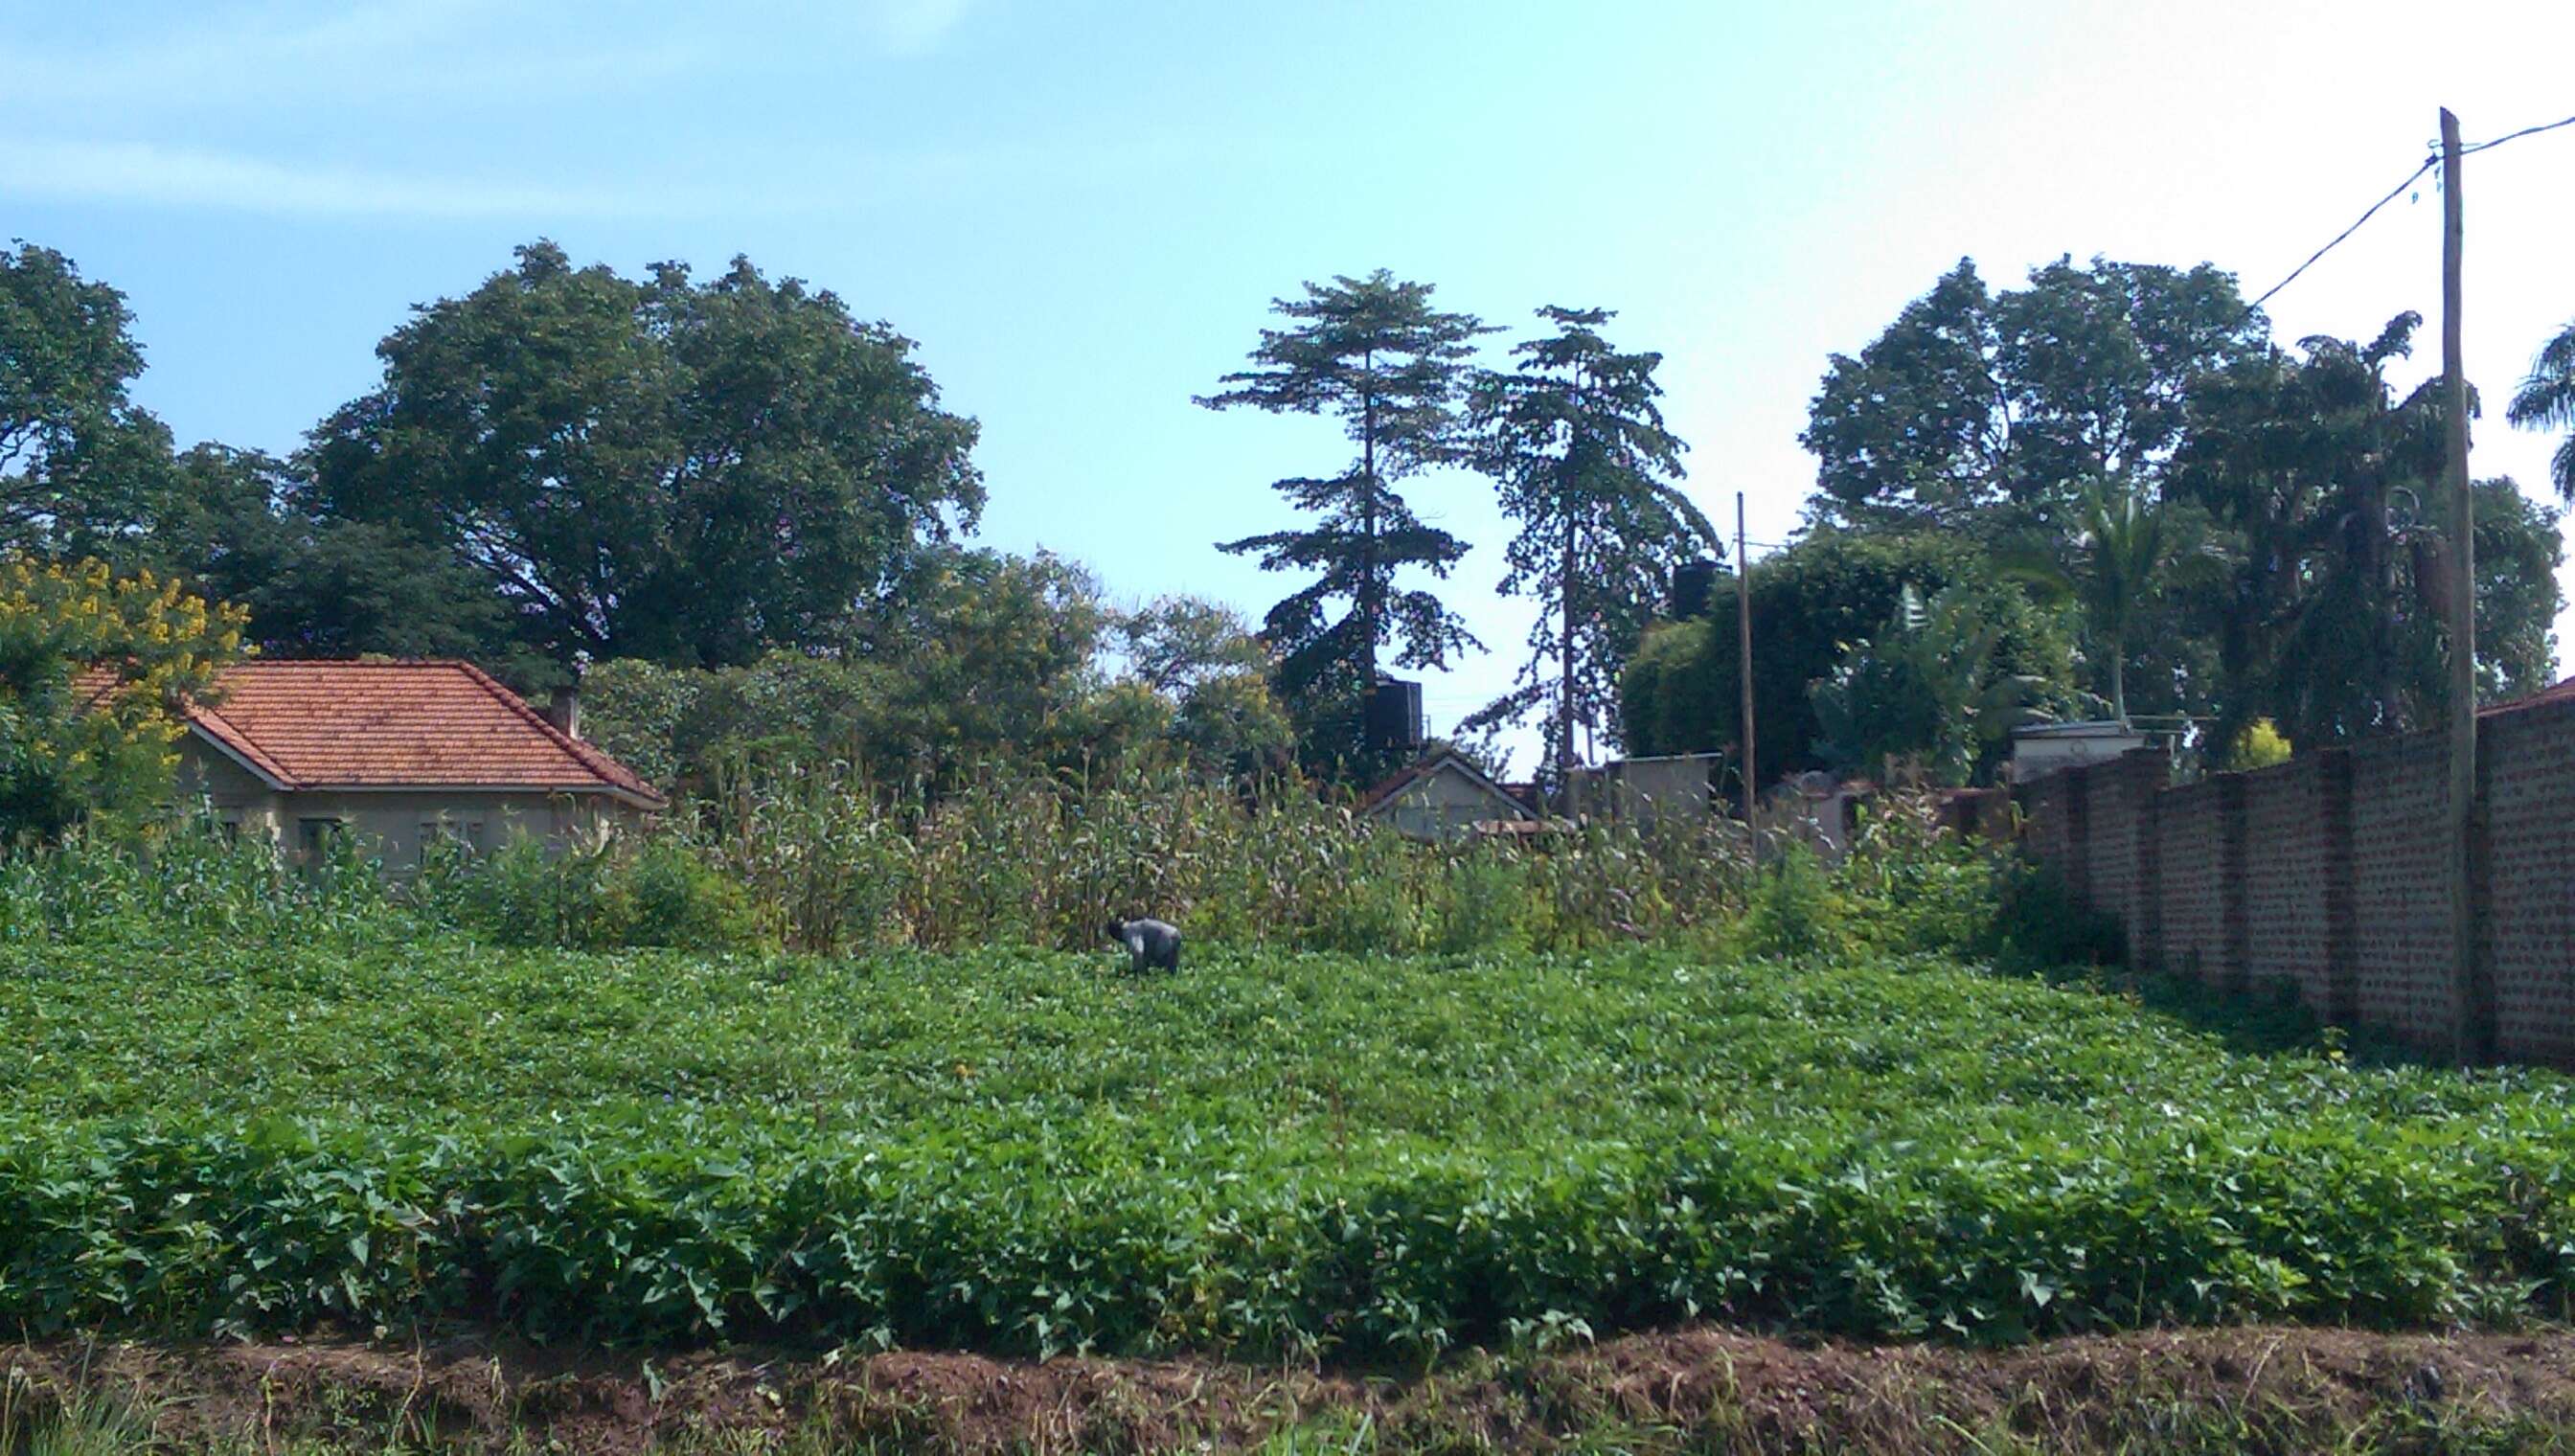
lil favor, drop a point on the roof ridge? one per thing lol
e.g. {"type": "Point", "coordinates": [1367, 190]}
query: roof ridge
{"type": "Point", "coordinates": [367, 662]}
{"type": "Point", "coordinates": [609, 769]}
{"type": "Point", "coordinates": [1422, 767]}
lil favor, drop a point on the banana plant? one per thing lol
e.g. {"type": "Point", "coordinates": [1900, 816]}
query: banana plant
{"type": "Point", "coordinates": [1929, 689]}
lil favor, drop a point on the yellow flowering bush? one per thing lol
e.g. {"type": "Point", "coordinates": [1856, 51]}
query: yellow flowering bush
{"type": "Point", "coordinates": [2261, 745]}
{"type": "Point", "coordinates": [94, 668]}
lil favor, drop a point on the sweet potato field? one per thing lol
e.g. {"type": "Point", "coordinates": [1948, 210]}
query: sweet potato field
{"type": "Point", "coordinates": [1269, 1154]}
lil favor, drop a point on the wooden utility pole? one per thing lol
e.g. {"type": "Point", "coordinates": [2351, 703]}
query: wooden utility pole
{"type": "Point", "coordinates": [2465, 1030]}
{"type": "Point", "coordinates": [1743, 633]}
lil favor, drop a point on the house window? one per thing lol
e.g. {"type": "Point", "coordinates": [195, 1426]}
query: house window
{"type": "Point", "coordinates": [465, 835]}
{"type": "Point", "coordinates": [316, 837]}
{"type": "Point", "coordinates": [230, 825]}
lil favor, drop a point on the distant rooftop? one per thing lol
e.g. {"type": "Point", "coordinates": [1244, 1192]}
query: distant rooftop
{"type": "Point", "coordinates": [2094, 729]}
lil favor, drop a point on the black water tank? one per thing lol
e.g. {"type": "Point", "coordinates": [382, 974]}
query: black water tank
{"type": "Point", "coordinates": [1692, 582]}
{"type": "Point", "coordinates": [1393, 716]}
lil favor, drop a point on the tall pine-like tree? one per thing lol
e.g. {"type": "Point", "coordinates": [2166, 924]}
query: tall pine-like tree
{"type": "Point", "coordinates": [1577, 444]}
{"type": "Point", "coordinates": [1374, 353]}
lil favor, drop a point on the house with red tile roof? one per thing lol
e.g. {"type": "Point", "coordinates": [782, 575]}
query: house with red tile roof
{"type": "Point", "coordinates": [398, 753]}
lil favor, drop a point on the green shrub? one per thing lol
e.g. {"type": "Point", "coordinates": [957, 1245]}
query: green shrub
{"type": "Point", "coordinates": [1921, 886]}
{"type": "Point", "coordinates": [1482, 904]}
{"type": "Point", "coordinates": [2038, 923]}
{"type": "Point", "coordinates": [659, 892]}
{"type": "Point", "coordinates": [668, 894]}
{"type": "Point", "coordinates": [1794, 908]}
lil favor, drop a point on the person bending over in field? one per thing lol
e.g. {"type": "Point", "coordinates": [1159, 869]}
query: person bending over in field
{"type": "Point", "coordinates": [1151, 944]}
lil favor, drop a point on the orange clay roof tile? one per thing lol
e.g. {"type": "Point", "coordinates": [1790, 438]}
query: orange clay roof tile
{"type": "Point", "coordinates": [396, 724]}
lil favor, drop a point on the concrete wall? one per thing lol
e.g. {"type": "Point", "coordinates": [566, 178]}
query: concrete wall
{"type": "Point", "coordinates": [2329, 875]}
{"type": "Point", "coordinates": [393, 824]}
{"type": "Point", "coordinates": [1646, 787]}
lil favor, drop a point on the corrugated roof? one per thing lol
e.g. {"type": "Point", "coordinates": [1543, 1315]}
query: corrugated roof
{"type": "Point", "coordinates": [399, 725]}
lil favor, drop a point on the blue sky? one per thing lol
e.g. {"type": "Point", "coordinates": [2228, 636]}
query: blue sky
{"type": "Point", "coordinates": [1081, 210]}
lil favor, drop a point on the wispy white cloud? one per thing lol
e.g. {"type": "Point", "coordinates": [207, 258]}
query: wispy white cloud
{"type": "Point", "coordinates": [156, 175]}
{"type": "Point", "coordinates": [912, 27]}
{"type": "Point", "coordinates": [260, 58]}
{"type": "Point", "coordinates": [161, 176]}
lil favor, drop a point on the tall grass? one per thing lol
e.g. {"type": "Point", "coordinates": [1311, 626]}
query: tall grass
{"type": "Point", "coordinates": [190, 880]}
{"type": "Point", "coordinates": [823, 859]}
{"type": "Point", "coordinates": [1012, 857]}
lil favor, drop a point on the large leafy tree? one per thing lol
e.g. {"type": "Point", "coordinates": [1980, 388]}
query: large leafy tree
{"type": "Point", "coordinates": [240, 526]}
{"type": "Point", "coordinates": [1985, 411]}
{"type": "Point", "coordinates": [1375, 355]}
{"type": "Point", "coordinates": [2519, 549]}
{"type": "Point", "coordinates": [1204, 659]}
{"type": "Point", "coordinates": [81, 465]}
{"type": "Point", "coordinates": [2546, 401]}
{"type": "Point", "coordinates": [2299, 456]}
{"type": "Point", "coordinates": [1577, 444]}
{"type": "Point", "coordinates": [655, 467]}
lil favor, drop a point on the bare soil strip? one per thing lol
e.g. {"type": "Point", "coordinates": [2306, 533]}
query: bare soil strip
{"type": "Point", "coordinates": [1701, 1389]}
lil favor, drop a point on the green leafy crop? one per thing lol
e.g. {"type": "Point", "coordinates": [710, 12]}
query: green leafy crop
{"type": "Point", "coordinates": [1271, 1152]}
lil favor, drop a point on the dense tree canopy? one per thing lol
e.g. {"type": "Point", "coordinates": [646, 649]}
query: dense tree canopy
{"type": "Point", "coordinates": [2112, 566]}
{"type": "Point", "coordinates": [1207, 659]}
{"type": "Point", "coordinates": [2233, 531]}
{"type": "Point", "coordinates": [1375, 355]}
{"type": "Point", "coordinates": [2520, 546]}
{"type": "Point", "coordinates": [240, 524]}
{"type": "Point", "coordinates": [81, 466]}
{"type": "Point", "coordinates": [1812, 604]}
{"type": "Point", "coordinates": [736, 501]}
{"type": "Point", "coordinates": [655, 468]}
{"type": "Point", "coordinates": [976, 658]}
{"type": "Point", "coordinates": [1929, 695]}
{"type": "Point", "coordinates": [1986, 412]}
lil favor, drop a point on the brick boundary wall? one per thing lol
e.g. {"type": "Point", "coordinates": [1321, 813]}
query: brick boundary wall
{"type": "Point", "coordinates": [2327, 874]}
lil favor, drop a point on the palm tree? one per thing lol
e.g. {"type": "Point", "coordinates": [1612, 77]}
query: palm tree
{"type": "Point", "coordinates": [2546, 401]}
{"type": "Point", "coordinates": [2118, 563]}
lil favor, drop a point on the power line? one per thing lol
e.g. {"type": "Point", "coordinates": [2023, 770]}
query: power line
{"type": "Point", "coordinates": [2345, 233]}
{"type": "Point", "coordinates": [2430, 162]}
{"type": "Point", "coordinates": [2528, 131]}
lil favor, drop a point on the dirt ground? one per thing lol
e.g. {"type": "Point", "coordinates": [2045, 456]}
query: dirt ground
{"type": "Point", "coordinates": [1706, 1389]}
